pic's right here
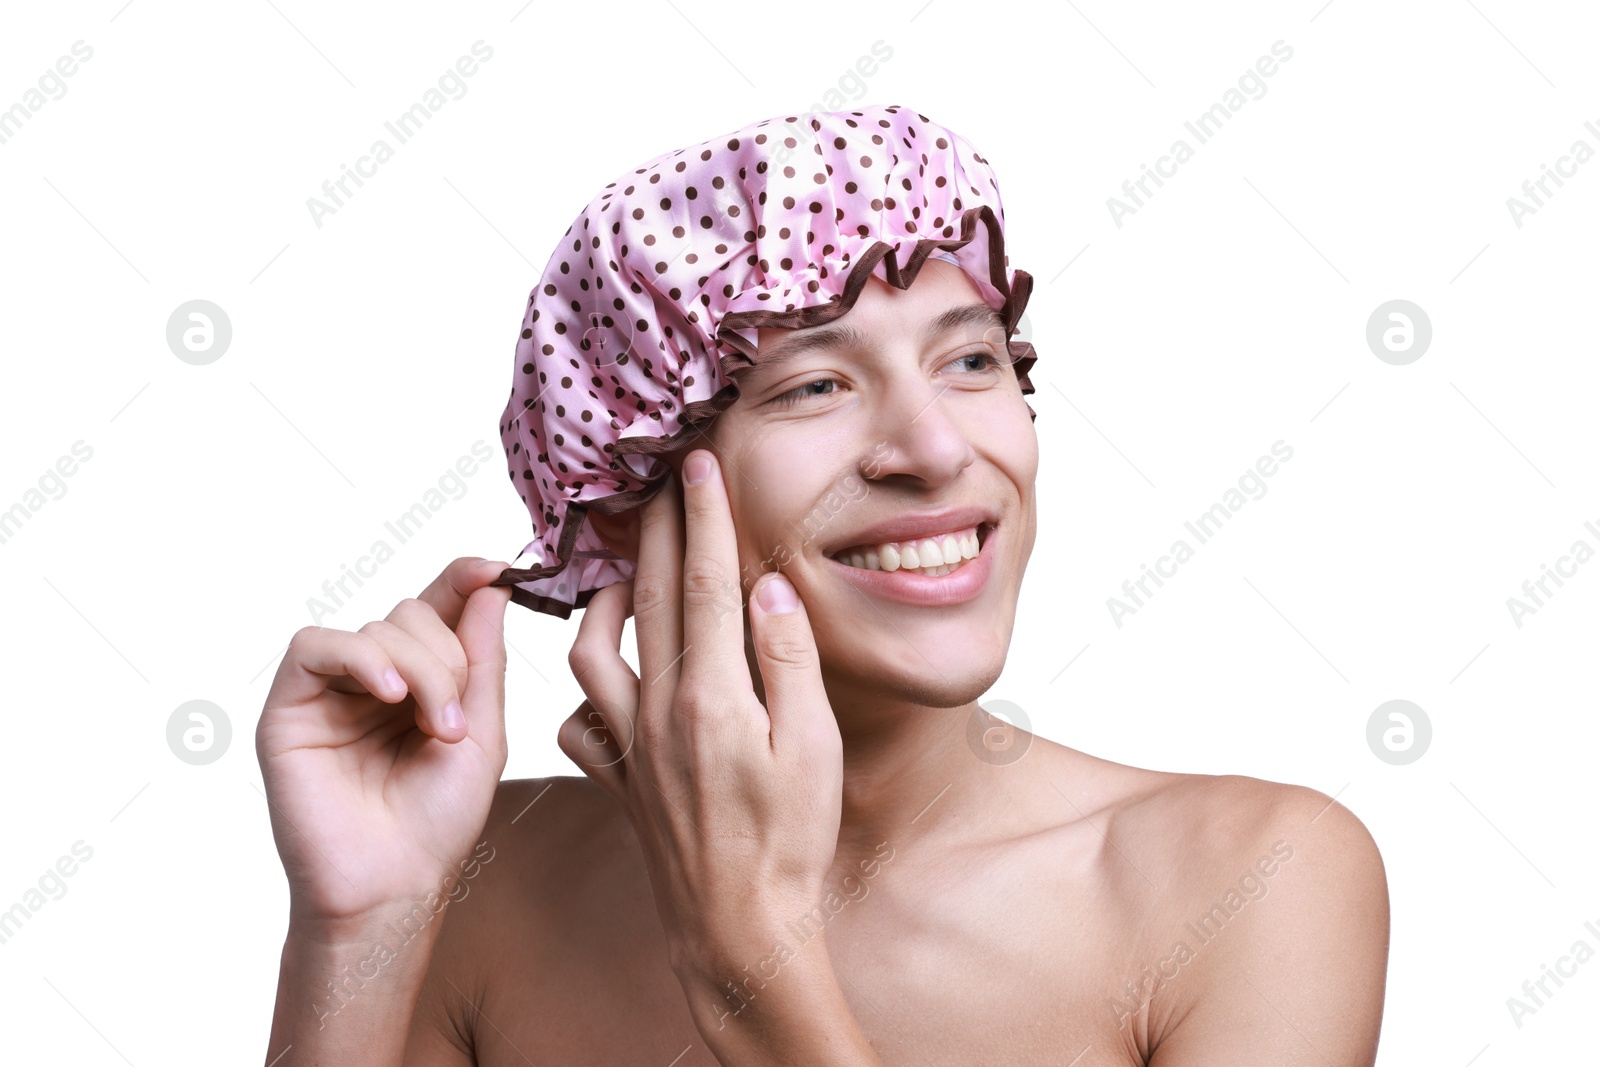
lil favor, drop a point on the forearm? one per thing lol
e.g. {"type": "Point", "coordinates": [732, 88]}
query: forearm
{"type": "Point", "coordinates": [781, 1006]}
{"type": "Point", "coordinates": [347, 996]}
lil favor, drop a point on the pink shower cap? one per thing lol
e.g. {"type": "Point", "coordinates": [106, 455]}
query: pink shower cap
{"type": "Point", "coordinates": [654, 295]}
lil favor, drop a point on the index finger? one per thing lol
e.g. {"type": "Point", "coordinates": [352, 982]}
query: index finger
{"type": "Point", "coordinates": [714, 651]}
{"type": "Point", "coordinates": [447, 594]}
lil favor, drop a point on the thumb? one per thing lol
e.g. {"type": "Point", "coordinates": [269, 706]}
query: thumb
{"type": "Point", "coordinates": [482, 636]}
{"type": "Point", "coordinates": [791, 671]}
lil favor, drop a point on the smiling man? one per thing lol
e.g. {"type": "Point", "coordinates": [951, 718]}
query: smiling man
{"type": "Point", "coordinates": [788, 435]}
{"type": "Point", "coordinates": [915, 583]}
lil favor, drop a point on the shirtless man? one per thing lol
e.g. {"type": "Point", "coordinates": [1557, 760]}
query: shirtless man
{"type": "Point", "coordinates": [797, 838]}
{"type": "Point", "coordinates": [749, 883]}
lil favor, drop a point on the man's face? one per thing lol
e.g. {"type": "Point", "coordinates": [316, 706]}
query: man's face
{"type": "Point", "coordinates": [829, 443]}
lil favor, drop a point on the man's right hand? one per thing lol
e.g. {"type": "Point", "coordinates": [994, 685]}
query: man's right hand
{"type": "Point", "coordinates": [381, 749]}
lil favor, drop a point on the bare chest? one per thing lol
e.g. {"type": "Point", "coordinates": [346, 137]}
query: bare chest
{"type": "Point", "coordinates": [954, 970]}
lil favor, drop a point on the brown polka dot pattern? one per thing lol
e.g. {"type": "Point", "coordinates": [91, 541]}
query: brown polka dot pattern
{"type": "Point", "coordinates": [654, 295]}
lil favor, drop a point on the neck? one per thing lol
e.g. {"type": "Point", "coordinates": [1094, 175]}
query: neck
{"type": "Point", "coordinates": [915, 774]}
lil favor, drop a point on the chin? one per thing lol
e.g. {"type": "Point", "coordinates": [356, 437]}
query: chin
{"type": "Point", "coordinates": [936, 671]}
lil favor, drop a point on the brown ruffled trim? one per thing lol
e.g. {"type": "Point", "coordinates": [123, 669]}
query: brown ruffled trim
{"type": "Point", "coordinates": [697, 414]}
{"type": "Point", "coordinates": [559, 608]}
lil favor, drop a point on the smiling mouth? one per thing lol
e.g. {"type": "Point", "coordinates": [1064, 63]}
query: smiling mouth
{"type": "Point", "coordinates": [932, 556]}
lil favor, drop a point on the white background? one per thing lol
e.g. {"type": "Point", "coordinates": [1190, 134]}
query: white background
{"type": "Point", "coordinates": [1229, 312]}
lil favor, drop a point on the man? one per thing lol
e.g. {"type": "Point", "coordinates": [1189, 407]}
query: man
{"type": "Point", "coordinates": [797, 840]}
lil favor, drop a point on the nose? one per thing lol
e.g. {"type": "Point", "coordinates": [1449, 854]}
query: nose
{"type": "Point", "coordinates": [918, 435]}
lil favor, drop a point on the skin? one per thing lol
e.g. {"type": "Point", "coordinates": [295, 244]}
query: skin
{"type": "Point", "coordinates": [1003, 899]}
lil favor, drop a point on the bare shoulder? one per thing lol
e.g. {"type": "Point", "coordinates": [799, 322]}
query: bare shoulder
{"type": "Point", "coordinates": [549, 838]}
{"type": "Point", "coordinates": [1229, 813]}
{"type": "Point", "coordinates": [545, 844]}
{"type": "Point", "coordinates": [1284, 910]}
{"type": "Point", "coordinates": [1199, 826]}
{"type": "Point", "coordinates": [565, 810]}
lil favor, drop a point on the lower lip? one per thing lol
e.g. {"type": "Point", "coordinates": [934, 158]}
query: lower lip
{"type": "Point", "coordinates": [908, 587]}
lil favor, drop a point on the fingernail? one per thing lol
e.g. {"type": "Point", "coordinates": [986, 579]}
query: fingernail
{"type": "Point", "coordinates": [777, 596]}
{"type": "Point", "coordinates": [392, 681]}
{"type": "Point", "coordinates": [452, 715]}
{"type": "Point", "coordinates": [696, 469]}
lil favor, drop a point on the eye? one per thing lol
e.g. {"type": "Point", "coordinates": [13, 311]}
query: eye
{"type": "Point", "coordinates": [795, 395]}
{"type": "Point", "coordinates": [988, 362]}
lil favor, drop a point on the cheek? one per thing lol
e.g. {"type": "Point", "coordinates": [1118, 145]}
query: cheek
{"type": "Point", "coordinates": [1011, 443]}
{"type": "Point", "coordinates": [754, 547]}
{"type": "Point", "coordinates": [758, 497]}
{"type": "Point", "coordinates": [1027, 453]}
{"type": "Point", "coordinates": [755, 559]}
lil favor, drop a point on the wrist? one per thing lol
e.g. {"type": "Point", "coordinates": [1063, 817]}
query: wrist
{"type": "Point", "coordinates": [346, 992]}
{"type": "Point", "coordinates": [760, 970]}
{"type": "Point", "coordinates": [791, 1001]}
{"type": "Point", "coordinates": [405, 920]}
{"type": "Point", "coordinates": [726, 941]}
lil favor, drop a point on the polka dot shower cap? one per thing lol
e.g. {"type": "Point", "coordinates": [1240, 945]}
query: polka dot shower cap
{"type": "Point", "coordinates": [654, 295]}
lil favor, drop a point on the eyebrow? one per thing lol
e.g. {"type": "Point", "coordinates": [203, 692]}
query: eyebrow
{"type": "Point", "coordinates": [831, 337]}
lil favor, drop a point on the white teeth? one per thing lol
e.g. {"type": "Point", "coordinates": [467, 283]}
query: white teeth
{"type": "Point", "coordinates": [930, 555]}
